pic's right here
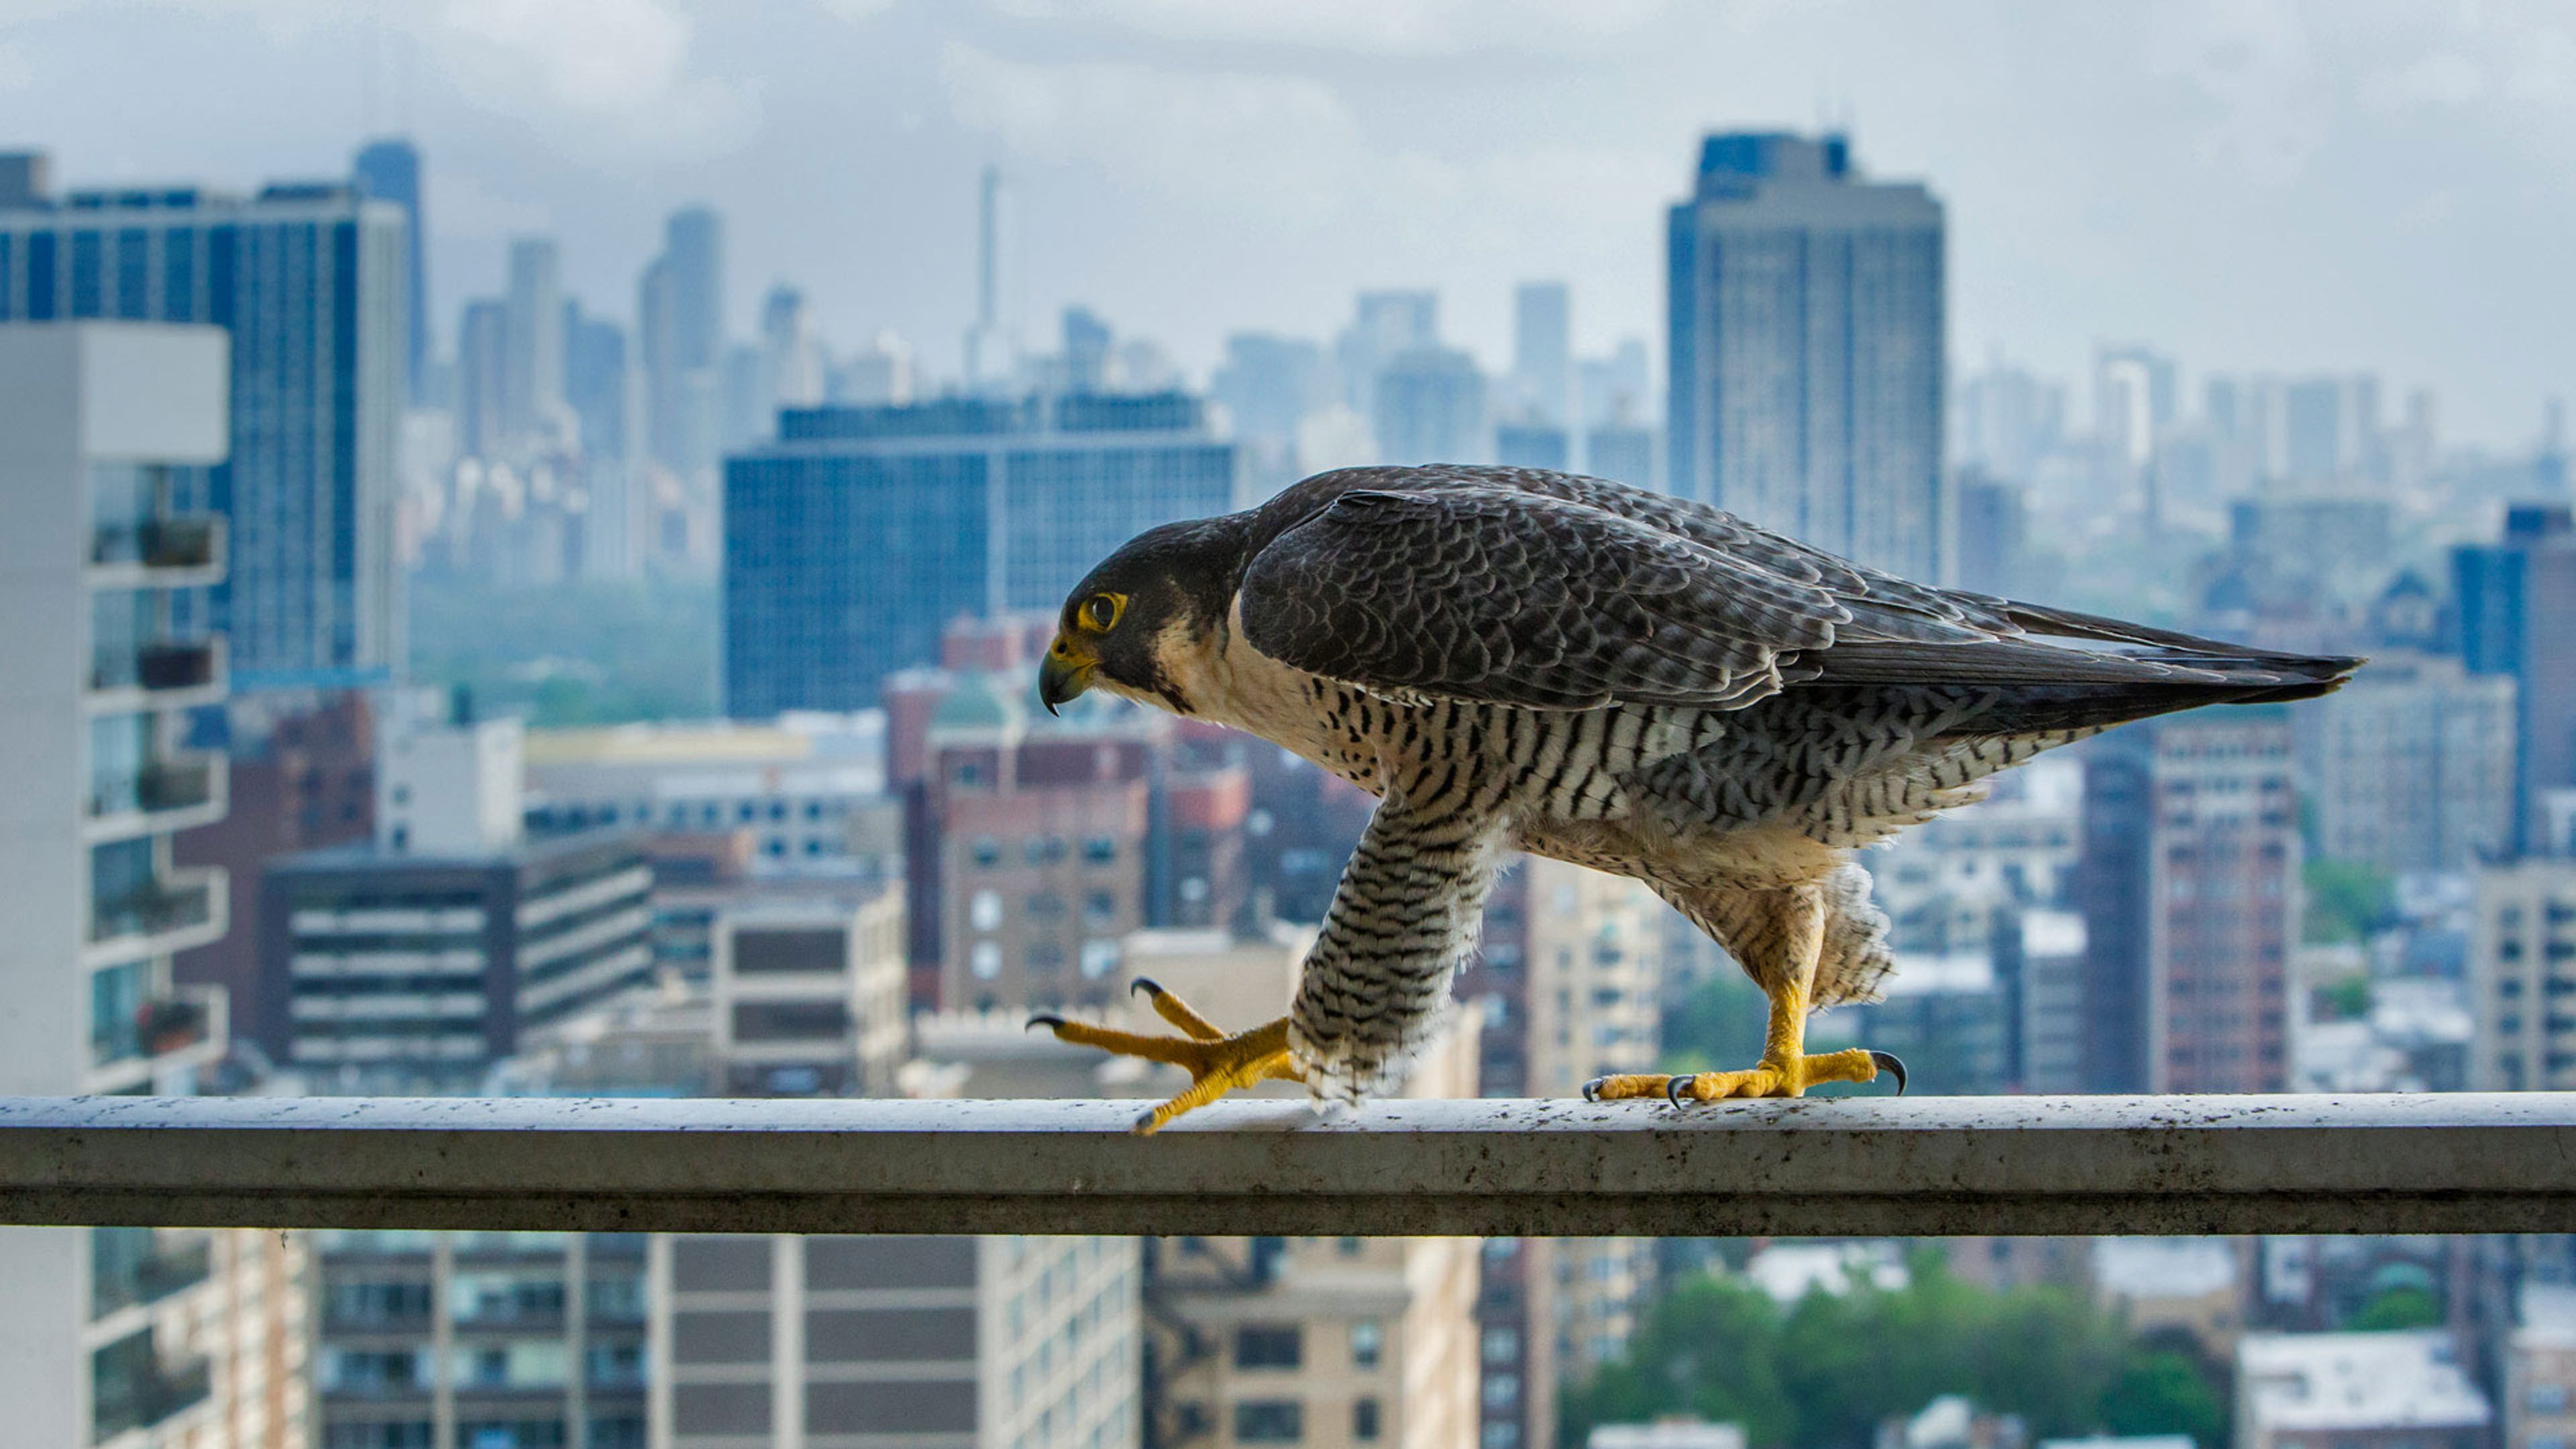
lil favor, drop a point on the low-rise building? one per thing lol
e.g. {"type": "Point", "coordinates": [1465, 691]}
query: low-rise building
{"type": "Point", "coordinates": [2186, 1285]}
{"type": "Point", "coordinates": [1666, 1434]}
{"type": "Point", "coordinates": [2540, 1369]}
{"type": "Point", "coordinates": [808, 998]}
{"type": "Point", "coordinates": [420, 958]}
{"type": "Point", "coordinates": [2357, 1391]}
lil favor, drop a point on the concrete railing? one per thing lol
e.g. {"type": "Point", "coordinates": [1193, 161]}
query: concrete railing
{"type": "Point", "coordinates": [2455, 1163]}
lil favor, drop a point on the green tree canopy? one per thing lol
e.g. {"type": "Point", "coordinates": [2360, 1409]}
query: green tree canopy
{"type": "Point", "coordinates": [1827, 1370]}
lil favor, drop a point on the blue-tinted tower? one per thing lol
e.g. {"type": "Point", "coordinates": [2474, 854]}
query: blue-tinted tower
{"type": "Point", "coordinates": [389, 170]}
{"type": "Point", "coordinates": [851, 541]}
{"type": "Point", "coordinates": [309, 280]}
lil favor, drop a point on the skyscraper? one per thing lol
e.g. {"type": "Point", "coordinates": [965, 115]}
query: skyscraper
{"type": "Point", "coordinates": [679, 309]}
{"type": "Point", "coordinates": [1807, 336]}
{"type": "Point", "coordinates": [533, 355]}
{"type": "Point", "coordinates": [2189, 886]}
{"type": "Point", "coordinates": [308, 279]}
{"type": "Point", "coordinates": [2514, 597]}
{"type": "Point", "coordinates": [791, 354]}
{"type": "Point", "coordinates": [1542, 352]}
{"type": "Point", "coordinates": [483, 380]}
{"type": "Point", "coordinates": [389, 170]}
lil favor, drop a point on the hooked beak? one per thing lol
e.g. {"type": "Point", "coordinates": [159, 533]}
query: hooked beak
{"type": "Point", "coordinates": [1065, 674]}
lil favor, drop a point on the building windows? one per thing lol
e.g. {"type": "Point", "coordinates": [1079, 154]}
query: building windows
{"type": "Point", "coordinates": [1099, 850]}
{"type": "Point", "coordinates": [1502, 1391]}
{"type": "Point", "coordinates": [986, 852]}
{"type": "Point", "coordinates": [1099, 908]}
{"type": "Point", "coordinates": [984, 910]}
{"type": "Point", "coordinates": [1268, 1346]}
{"type": "Point", "coordinates": [1501, 1436]}
{"type": "Point", "coordinates": [1044, 849]}
{"type": "Point", "coordinates": [985, 960]}
{"type": "Point", "coordinates": [1269, 1421]}
{"type": "Point", "coordinates": [1099, 958]}
{"type": "Point", "coordinates": [1364, 1420]}
{"type": "Point", "coordinates": [1503, 1345]}
{"type": "Point", "coordinates": [1368, 1343]}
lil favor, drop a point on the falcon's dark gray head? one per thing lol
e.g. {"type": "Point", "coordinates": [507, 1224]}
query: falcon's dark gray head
{"type": "Point", "coordinates": [1165, 590]}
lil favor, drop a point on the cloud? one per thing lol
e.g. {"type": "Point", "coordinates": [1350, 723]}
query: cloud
{"type": "Point", "coordinates": [2254, 68]}
{"type": "Point", "coordinates": [1370, 27]}
{"type": "Point", "coordinates": [621, 66]}
{"type": "Point", "coordinates": [1279, 146]}
{"type": "Point", "coordinates": [2446, 80]}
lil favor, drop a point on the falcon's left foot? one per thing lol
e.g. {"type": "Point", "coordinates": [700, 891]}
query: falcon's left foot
{"type": "Point", "coordinates": [1217, 1063]}
{"type": "Point", "coordinates": [1776, 1077]}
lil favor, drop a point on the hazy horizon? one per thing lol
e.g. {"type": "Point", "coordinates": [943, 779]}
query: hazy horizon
{"type": "Point", "coordinates": [2279, 187]}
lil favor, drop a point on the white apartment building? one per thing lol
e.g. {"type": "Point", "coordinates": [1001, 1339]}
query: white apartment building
{"type": "Point", "coordinates": [117, 1338]}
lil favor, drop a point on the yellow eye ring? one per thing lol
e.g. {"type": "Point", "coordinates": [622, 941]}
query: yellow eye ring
{"type": "Point", "coordinates": [1101, 612]}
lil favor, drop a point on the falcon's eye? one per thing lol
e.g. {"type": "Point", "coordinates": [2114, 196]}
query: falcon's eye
{"type": "Point", "coordinates": [1100, 612]}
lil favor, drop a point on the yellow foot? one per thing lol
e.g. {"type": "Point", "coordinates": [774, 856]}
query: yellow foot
{"type": "Point", "coordinates": [1785, 1077]}
{"type": "Point", "coordinates": [1217, 1063]}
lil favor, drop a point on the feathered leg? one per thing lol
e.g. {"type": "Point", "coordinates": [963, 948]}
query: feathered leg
{"type": "Point", "coordinates": [1777, 937]}
{"type": "Point", "coordinates": [1401, 921]}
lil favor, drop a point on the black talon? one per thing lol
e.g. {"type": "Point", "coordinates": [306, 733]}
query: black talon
{"type": "Point", "coordinates": [1592, 1089]}
{"type": "Point", "coordinates": [1146, 984]}
{"type": "Point", "coordinates": [1045, 1019]}
{"type": "Point", "coordinates": [1889, 1063]}
{"type": "Point", "coordinates": [1673, 1089]}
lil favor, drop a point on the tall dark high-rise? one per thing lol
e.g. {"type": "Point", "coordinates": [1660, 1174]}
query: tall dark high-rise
{"type": "Point", "coordinates": [2514, 598]}
{"type": "Point", "coordinates": [309, 280]}
{"type": "Point", "coordinates": [2189, 887]}
{"type": "Point", "coordinates": [389, 170]}
{"type": "Point", "coordinates": [1807, 349]}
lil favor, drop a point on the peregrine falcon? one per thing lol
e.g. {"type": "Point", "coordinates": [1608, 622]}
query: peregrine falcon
{"type": "Point", "coordinates": [1514, 659]}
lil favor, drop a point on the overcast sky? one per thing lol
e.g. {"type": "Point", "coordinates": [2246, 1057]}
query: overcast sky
{"type": "Point", "coordinates": [2341, 185]}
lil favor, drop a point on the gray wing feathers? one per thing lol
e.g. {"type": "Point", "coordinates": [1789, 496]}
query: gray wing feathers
{"type": "Point", "coordinates": [1520, 586]}
{"type": "Point", "coordinates": [1491, 594]}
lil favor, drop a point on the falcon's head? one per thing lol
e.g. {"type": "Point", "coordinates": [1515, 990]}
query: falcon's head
{"type": "Point", "coordinates": [1130, 623]}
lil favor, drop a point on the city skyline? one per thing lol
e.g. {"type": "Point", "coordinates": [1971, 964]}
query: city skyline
{"type": "Point", "coordinates": [1190, 175]}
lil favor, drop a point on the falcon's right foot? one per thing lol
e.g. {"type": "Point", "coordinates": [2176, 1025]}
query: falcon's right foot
{"type": "Point", "coordinates": [1217, 1063]}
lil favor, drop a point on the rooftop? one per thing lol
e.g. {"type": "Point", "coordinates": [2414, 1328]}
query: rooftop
{"type": "Point", "coordinates": [2356, 1381]}
{"type": "Point", "coordinates": [2164, 1267]}
{"type": "Point", "coordinates": [711, 742]}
